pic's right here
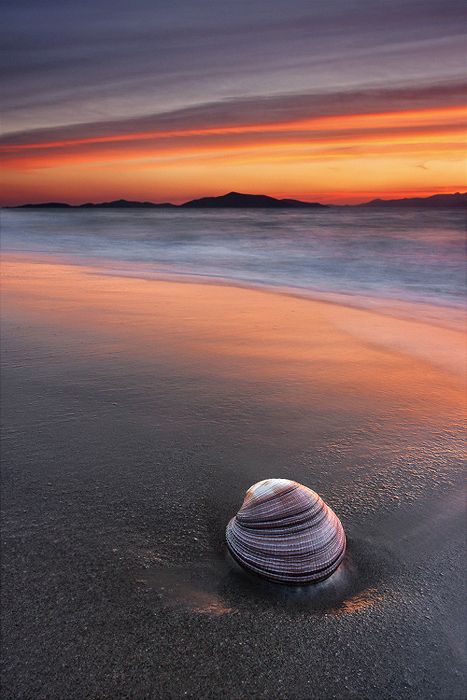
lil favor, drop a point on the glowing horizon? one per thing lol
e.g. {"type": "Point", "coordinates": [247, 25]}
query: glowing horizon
{"type": "Point", "coordinates": [358, 156]}
{"type": "Point", "coordinates": [339, 124]}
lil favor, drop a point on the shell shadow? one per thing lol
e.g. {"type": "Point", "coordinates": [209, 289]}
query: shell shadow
{"type": "Point", "coordinates": [354, 585]}
{"type": "Point", "coordinates": [219, 586]}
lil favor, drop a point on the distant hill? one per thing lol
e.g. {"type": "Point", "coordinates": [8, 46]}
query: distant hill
{"type": "Point", "coordinates": [117, 204]}
{"type": "Point", "coordinates": [459, 199]}
{"type": "Point", "coordinates": [237, 200]}
{"type": "Point", "coordinates": [124, 204]}
{"type": "Point", "coordinates": [43, 205]}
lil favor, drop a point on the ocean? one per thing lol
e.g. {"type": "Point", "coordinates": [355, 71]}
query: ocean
{"type": "Point", "coordinates": [362, 256]}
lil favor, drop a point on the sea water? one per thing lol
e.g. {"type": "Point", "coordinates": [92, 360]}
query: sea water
{"type": "Point", "coordinates": [404, 255]}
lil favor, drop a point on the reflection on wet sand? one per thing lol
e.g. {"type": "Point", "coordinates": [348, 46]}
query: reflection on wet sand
{"type": "Point", "coordinates": [350, 356]}
{"type": "Point", "coordinates": [359, 602]}
{"type": "Point", "coordinates": [138, 414]}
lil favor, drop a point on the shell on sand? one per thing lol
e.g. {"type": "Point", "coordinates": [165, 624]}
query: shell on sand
{"type": "Point", "coordinates": [286, 533]}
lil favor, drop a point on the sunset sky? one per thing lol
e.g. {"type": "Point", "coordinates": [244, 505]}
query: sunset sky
{"type": "Point", "coordinates": [167, 100]}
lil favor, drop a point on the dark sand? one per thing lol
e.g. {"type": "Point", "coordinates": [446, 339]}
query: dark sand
{"type": "Point", "coordinates": [135, 416]}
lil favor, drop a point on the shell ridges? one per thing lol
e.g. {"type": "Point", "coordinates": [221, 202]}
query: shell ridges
{"type": "Point", "coordinates": [286, 533]}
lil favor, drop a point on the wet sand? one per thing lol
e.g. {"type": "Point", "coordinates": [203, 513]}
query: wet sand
{"type": "Point", "coordinates": [136, 414]}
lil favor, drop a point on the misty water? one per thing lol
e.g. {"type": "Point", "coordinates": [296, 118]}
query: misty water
{"type": "Point", "coordinates": [409, 255]}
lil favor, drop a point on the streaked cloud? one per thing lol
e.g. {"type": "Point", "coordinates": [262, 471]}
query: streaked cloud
{"type": "Point", "coordinates": [217, 92]}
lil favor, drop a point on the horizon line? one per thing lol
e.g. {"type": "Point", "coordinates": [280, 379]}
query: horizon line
{"type": "Point", "coordinates": [248, 194]}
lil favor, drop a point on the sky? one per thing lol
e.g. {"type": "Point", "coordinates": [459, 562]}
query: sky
{"type": "Point", "coordinates": [167, 100]}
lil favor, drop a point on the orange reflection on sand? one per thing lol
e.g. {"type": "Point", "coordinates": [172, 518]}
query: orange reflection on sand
{"type": "Point", "coordinates": [209, 604]}
{"type": "Point", "coordinates": [359, 602]}
{"type": "Point", "coordinates": [346, 356]}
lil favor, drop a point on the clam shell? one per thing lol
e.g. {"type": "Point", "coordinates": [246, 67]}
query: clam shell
{"type": "Point", "coordinates": [286, 533]}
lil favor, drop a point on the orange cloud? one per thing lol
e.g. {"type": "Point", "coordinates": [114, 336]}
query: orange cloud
{"type": "Point", "coordinates": [335, 156]}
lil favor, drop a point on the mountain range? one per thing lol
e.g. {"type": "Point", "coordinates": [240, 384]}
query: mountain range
{"type": "Point", "coordinates": [238, 200]}
{"type": "Point", "coordinates": [459, 199]}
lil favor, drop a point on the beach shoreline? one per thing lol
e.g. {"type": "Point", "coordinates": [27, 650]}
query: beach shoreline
{"type": "Point", "coordinates": [137, 412]}
{"type": "Point", "coordinates": [356, 314]}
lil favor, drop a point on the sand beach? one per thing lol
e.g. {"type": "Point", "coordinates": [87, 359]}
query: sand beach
{"type": "Point", "coordinates": [137, 412]}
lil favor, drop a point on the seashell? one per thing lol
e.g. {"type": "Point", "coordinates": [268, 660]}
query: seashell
{"type": "Point", "coordinates": [286, 533]}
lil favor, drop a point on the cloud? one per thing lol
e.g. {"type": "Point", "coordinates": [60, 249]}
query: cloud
{"type": "Point", "coordinates": [261, 111]}
{"type": "Point", "coordinates": [65, 62]}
